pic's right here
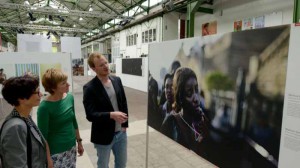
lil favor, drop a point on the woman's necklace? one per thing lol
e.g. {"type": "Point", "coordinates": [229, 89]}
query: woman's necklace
{"type": "Point", "coordinates": [198, 136]}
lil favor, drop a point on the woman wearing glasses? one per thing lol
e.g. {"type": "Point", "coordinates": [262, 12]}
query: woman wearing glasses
{"type": "Point", "coordinates": [21, 142]}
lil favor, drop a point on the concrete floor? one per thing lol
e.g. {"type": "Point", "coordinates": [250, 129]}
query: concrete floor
{"type": "Point", "coordinates": [162, 151]}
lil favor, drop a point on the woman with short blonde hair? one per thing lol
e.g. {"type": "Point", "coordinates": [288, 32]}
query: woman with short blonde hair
{"type": "Point", "coordinates": [57, 120]}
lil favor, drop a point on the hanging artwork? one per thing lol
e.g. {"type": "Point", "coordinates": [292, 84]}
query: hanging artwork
{"type": "Point", "coordinates": [222, 97]}
{"type": "Point", "coordinates": [247, 24]}
{"type": "Point", "coordinates": [237, 25]}
{"type": "Point", "coordinates": [259, 22]}
{"type": "Point", "coordinates": [209, 28]}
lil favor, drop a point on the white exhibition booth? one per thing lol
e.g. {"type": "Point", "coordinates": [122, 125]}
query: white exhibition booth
{"type": "Point", "coordinates": [19, 63]}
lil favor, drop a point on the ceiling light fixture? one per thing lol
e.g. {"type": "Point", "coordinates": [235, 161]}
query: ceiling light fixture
{"type": "Point", "coordinates": [91, 9]}
{"type": "Point", "coordinates": [61, 18]}
{"type": "Point", "coordinates": [26, 3]}
{"type": "Point", "coordinates": [80, 19]}
{"type": "Point", "coordinates": [31, 16]}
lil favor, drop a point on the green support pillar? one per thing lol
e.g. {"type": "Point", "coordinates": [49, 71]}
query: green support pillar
{"type": "Point", "coordinates": [296, 18]}
{"type": "Point", "coordinates": [190, 21]}
{"type": "Point", "coordinates": [191, 10]}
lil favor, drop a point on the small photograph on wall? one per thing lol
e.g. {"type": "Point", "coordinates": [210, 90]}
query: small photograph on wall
{"type": "Point", "coordinates": [237, 25]}
{"type": "Point", "coordinates": [222, 97]}
{"type": "Point", "coordinates": [248, 24]}
{"type": "Point", "coordinates": [27, 69]}
{"type": "Point", "coordinates": [259, 22]}
{"type": "Point", "coordinates": [209, 28]}
{"type": "Point", "coordinates": [78, 67]}
{"type": "Point", "coordinates": [6, 71]}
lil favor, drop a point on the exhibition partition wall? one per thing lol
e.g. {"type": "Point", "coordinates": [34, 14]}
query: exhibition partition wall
{"type": "Point", "coordinates": [21, 63]}
{"type": "Point", "coordinates": [290, 134]}
{"type": "Point", "coordinates": [222, 96]}
{"type": "Point", "coordinates": [33, 43]}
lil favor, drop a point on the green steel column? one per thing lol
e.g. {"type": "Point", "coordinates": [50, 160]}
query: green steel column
{"type": "Point", "coordinates": [192, 8]}
{"type": "Point", "coordinates": [296, 18]}
{"type": "Point", "coordinates": [190, 20]}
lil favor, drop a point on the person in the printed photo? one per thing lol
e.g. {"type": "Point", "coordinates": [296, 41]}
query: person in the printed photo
{"type": "Point", "coordinates": [2, 76]}
{"type": "Point", "coordinates": [57, 120]}
{"type": "Point", "coordinates": [174, 66]}
{"type": "Point", "coordinates": [168, 127]}
{"type": "Point", "coordinates": [205, 30]}
{"type": "Point", "coordinates": [21, 142]}
{"type": "Point", "coordinates": [188, 125]}
{"type": "Point", "coordinates": [154, 118]}
{"type": "Point", "coordinates": [166, 109]}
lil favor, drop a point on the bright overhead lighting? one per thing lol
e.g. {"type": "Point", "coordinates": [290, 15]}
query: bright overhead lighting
{"type": "Point", "coordinates": [26, 3]}
{"type": "Point", "coordinates": [74, 25]}
{"type": "Point", "coordinates": [91, 9]}
{"type": "Point", "coordinates": [80, 19]}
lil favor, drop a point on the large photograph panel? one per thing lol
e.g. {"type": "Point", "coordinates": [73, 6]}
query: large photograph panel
{"type": "Point", "coordinates": [222, 96]}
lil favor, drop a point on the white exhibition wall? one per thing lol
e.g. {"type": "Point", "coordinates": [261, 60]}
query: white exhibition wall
{"type": "Point", "coordinates": [71, 45]}
{"type": "Point", "coordinates": [276, 12]}
{"type": "Point", "coordinates": [290, 132]}
{"type": "Point", "coordinates": [33, 43]}
{"type": "Point", "coordinates": [132, 81]}
{"type": "Point", "coordinates": [135, 51]}
{"type": "Point", "coordinates": [170, 25]}
{"type": "Point", "coordinates": [20, 63]}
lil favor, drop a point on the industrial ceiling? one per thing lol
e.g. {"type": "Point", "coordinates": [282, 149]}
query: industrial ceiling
{"type": "Point", "coordinates": [88, 19]}
{"type": "Point", "coordinates": [81, 18]}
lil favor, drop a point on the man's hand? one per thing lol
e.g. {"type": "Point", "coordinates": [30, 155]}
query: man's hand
{"type": "Point", "coordinates": [119, 116]}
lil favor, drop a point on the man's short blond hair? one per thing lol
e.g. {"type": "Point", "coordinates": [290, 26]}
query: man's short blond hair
{"type": "Point", "coordinates": [92, 57]}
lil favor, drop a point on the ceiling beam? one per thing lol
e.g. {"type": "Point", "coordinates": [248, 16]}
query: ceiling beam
{"type": "Point", "coordinates": [39, 27]}
{"type": "Point", "coordinates": [109, 7]}
{"type": "Point", "coordinates": [53, 11]}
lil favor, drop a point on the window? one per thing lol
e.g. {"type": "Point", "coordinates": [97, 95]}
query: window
{"type": "Point", "coordinates": [149, 36]}
{"type": "Point", "coordinates": [131, 40]}
{"type": "Point", "coordinates": [146, 36]}
{"type": "Point", "coordinates": [134, 39]}
{"type": "Point", "coordinates": [154, 34]}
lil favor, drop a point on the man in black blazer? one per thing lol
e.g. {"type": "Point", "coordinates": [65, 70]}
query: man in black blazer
{"type": "Point", "coordinates": [105, 106]}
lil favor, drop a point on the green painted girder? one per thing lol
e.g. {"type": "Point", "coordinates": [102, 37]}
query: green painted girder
{"type": "Point", "coordinates": [205, 10]}
{"type": "Point", "coordinates": [296, 17]}
{"type": "Point", "coordinates": [137, 4]}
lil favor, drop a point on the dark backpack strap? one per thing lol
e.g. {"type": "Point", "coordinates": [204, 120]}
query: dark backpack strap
{"type": "Point", "coordinates": [29, 147]}
{"type": "Point", "coordinates": [1, 160]}
{"type": "Point", "coordinates": [28, 141]}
